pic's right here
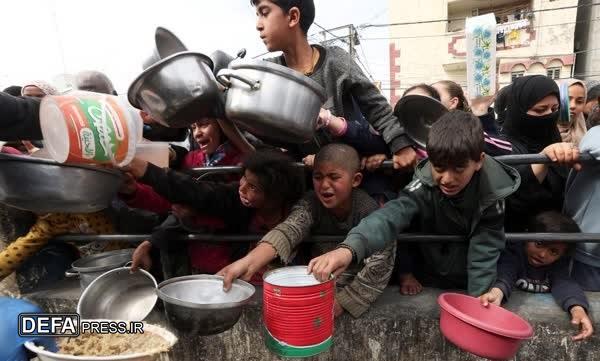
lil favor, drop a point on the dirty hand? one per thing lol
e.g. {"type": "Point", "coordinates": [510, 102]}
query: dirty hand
{"type": "Point", "coordinates": [129, 185]}
{"type": "Point", "coordinates": [137, 168]}
{"type": "Point", "coordinates": [373, 162]}
{"type": "Point", "coordinates": [309, 160]}
{"type": "Point", "coordinates": [495, 296]}
{"type": "Point", "coordinates": [238, 269]}
{"type": "Point", "coordinates": [405, 158]}
{"type": "Point", "coordinates": [141, 257]}
{"type": "Point", "coordinates": [330, 263]}
{"type": "Point", "coordinates": [324, 118]}
{"type": "Point", "coordinates": [480, 106]}
{"type": "Point", "coordinates": [563, 153]}
{"type": "Point", "coordinates": [338, 310]}
{"type": "Point", "coordinates": [580, 319]}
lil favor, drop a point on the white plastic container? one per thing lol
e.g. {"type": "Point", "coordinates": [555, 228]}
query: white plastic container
{"type": "Point", "coordinates": [156, 153]}
{"type": "Point", "coordinates": [481, 55]}
{"type": "Point", "coordinates": [93, 128]}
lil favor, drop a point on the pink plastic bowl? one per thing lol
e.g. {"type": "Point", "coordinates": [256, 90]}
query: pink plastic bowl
{"type": "Point", "coordinates": [491, 332]}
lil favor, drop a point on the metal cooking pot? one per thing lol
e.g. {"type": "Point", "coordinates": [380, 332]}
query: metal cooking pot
{"type": "Point", "coordinates": [119, 294]}
{"type": "Point", "coordinates": [221, 59]}
{"type": "Point", "coordinates": [271, 100]}
{"type": "Point", "coordinates": [46, 186]}
{"type": "Point", "coordinates": [166, 44]}
{"type": "Point", "coordinates": [418, 113]}
{"type": "Point", "coordinates": [197, 304]}
{"type": "Point", "coordinates": [91, 267]}
{"type": "Point", "coordinates": [178, 90]}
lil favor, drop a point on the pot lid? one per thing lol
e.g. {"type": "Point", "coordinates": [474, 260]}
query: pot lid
{"type": "Point", "coordinates": [417, 113]}
{"type": "Point", "coordinates": [284, 71]}
{"type": "Point", "coordinates": [103, 261]}
{"type": "Point", "coordinates": [135, 85]}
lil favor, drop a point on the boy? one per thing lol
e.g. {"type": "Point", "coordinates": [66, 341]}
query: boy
{"type": "Point", "coordinates": [541, 268]}
{"type": "Point", "coordinates": [333, 208]}
{"type": "Point", "coordinates": [457, 191]}
{"type": "Point", "coordinates": [283, 26]}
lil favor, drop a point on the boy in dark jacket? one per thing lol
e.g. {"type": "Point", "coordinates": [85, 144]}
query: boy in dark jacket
{"type": "Point", "coordinates": [283, 26]}
{"type": "Point", "coordinates": [457, 191]}
{"type": "Point", "coordinates": [542, 267]}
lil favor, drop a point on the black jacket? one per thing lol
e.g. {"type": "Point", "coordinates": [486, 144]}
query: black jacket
{"type": "Point", "coordinates": [19, 118]}
{"type": "Point", "coordinates": [515, 270]}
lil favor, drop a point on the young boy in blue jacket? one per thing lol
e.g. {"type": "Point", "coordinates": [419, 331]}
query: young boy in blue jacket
{"type": "Point", "coordinates": [459, 191]}
{"type": "Point", "coordinates": [543, 267]}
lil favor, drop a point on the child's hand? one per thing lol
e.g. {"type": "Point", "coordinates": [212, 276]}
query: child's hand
{"type": "Point", "coordinates": [480, 106]}
{"type": "Point", "coordinates": [309, 160]}
{"type": "Point", "coordinates": [338, 310]}
{"type": "Point", "coordinates": [129, 185]}
{"type": "Point", "coordinates": [405, 158]}
{"type": "Point", "coordinates": [141, 257]}
{"type": "Point", "coordinates": [238, 269]}
{"type": "Point", "coordinates": [580, 319]}
{"type": "Point", "coordinates": [495, 296]}
{"type": "Point", "coordinates": [330, 263]}
{"type": "Point", "coordinates": [373, 162]}
{"type": "Point", "coordinates": [137, 168]}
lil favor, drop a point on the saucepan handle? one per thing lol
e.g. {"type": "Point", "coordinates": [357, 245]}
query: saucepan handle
{"type": "Point", "coordinates": [224, 77]}
{"type": "Point", "coordinates": [71, 273]}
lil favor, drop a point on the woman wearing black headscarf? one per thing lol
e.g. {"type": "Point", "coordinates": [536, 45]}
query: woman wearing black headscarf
{"type": "Point", "coordinates": [530, 125]}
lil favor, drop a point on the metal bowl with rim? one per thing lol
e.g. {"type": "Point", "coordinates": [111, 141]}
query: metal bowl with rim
{"type": "Point", "coordinates": [46, 186]}
{"type": "Point", "coordinates": [178, 90]}
{"type": "Point", "coordinates": [198, 305]}
{"type": "Point", "coordinates": [93, 266]}
{"type": "Point", "coordinates": [119, 294]}
{"type": "Point", "coordinates": [418, 113]}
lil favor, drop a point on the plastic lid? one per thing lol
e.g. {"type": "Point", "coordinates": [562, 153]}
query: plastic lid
{"type": "Point", "coordinates": [54, 130]}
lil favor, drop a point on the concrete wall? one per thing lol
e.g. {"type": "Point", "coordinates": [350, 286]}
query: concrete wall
{"type": "Point", "coordinates": [396, 328]}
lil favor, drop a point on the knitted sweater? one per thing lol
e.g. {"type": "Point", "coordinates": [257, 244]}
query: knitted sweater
{"type": "Point", "coordinates": [308, 217]}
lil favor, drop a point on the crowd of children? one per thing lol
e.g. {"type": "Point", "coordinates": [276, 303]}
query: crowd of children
{"type": "Point", "coordinates": [453, 186]}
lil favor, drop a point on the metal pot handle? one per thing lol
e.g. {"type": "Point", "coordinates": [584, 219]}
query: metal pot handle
{"type": "Point", "coordinates": [71, 273]}
{"type": "Point", "coordinates": [128, 264]}
{"type": "Point", "coordinates": [224, 76]}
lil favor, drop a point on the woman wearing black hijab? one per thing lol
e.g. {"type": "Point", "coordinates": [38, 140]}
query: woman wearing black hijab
{"type": "Point", "coordinates": [530, 125]}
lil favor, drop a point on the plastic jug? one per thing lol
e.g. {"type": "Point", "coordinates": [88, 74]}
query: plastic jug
{"type": "Point", "coordinates": [94, 128]}
{"type": "Point", "coordinates": [156, 153]}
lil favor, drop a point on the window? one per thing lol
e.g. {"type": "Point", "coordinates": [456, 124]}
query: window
{"type": "Point", "coordinates": [553, 73]}
{"type": "Point", "coordinates": [516, 74]}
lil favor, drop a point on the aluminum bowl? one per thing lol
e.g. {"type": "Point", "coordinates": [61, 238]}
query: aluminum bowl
{"type": "Point", "coordinates": [198, 305]}
{"type": "Point", "coordinates": [119, 295]}
{"type": "Point", "coordinates": [418, 113]}
{"type": "Point", "coordinates": [45, 186]}
{"type": "Point", "coordinates": [178, 90]}
{"type": "Point", "coordinates": [93, 266]}
{"type": "Point", "coordinates": [167, 44]}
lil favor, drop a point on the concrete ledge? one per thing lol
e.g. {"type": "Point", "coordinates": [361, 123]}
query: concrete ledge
{"type": "Point", "coordinates": [396, 328]}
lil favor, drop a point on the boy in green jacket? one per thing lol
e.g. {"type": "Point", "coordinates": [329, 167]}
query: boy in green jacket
{"type": "Point", "coordinates": [457, 191]}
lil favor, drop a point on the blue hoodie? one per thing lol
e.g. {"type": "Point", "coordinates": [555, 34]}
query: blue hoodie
{"type": "Point", "coordinates": [582, 198]}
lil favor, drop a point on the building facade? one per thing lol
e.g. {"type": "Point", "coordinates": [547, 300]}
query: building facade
{"type": "Point", "coordinates": [533, 37]}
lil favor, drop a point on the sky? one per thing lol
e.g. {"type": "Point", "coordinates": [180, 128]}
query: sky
{"type": "Point", "coordinates": [41, 39]}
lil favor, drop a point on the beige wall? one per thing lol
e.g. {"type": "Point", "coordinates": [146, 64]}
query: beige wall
{"type": "Point", "coordinates": [588, 38]}
{"type": "Point", "coordinates": [428, 59]}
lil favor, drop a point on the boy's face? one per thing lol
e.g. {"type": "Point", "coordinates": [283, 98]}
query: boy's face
{"type": "Point", "coordinates": [251, 193]}
{"type": "Point", "coordinates": [207, 134]}
{"type": "Point", "coordinates": [452, 180]}
{"type": "Point", "coordinates": [543, 254]}
{"type": "Point", "coordinates": [333, 184]}
{"type": "Point", "coordinates": [274, 25]}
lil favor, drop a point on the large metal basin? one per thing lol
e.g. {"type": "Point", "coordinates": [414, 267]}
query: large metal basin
{"type": "Point", "coordinates": [198, 305]}
{"type": "Point", "coordinates": [91, 267]}
{"type": "Point", "coordinates": [45, 186]}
